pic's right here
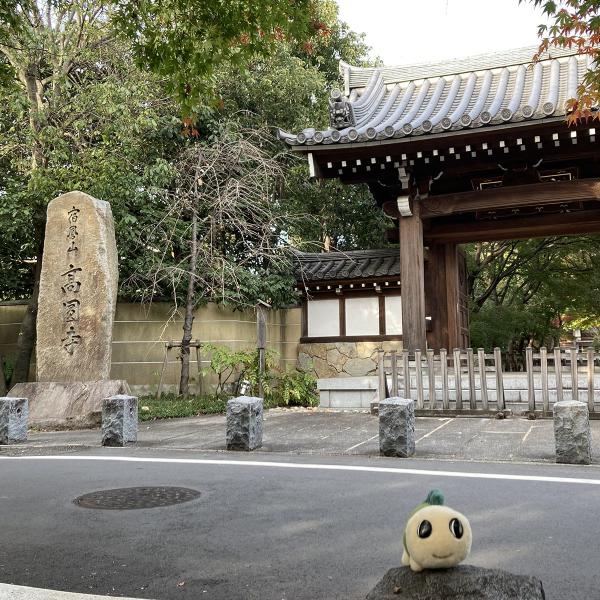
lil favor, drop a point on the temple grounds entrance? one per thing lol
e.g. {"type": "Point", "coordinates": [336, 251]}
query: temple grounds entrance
{"type": "Point", "coordinates": [462, 151]}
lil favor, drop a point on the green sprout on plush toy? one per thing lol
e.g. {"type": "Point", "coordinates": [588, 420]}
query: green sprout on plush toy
{"type": "Point", "coordinates": [436, 536]}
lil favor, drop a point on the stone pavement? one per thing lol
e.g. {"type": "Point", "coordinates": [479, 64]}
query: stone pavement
{"type": "Point", "coordinates": [329, 433]}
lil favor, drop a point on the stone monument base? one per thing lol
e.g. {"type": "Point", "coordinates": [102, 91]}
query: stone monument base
{"type": "Point", "coordinates": [461, 582]}
{"type": "Point", "coordinates": [60, 405]}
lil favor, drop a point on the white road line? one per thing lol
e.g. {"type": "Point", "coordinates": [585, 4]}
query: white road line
{"type": "Point", "coordinates": [361, 443]}
{"type": "Point", "coordinates": [314, 467]}
{"type": "Point", "coordinates": [500, 432]}
{"type": "Point", "coordinates": [433, 431]}
{"type": "Point", "coordinates": [527, 434]}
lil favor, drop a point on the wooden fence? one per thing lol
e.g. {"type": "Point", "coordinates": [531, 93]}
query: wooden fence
{"type": "Point", "coordinates": [473, 380]}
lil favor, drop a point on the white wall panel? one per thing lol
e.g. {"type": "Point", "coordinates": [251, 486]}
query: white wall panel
{"type": "Point", "coordinates": [393, 315]}
{"type": "Point", "coordinates": [323, 318]}
{"type": "Point", "coordinates": [362, 316]}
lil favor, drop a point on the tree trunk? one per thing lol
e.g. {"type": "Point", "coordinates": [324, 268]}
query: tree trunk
{"type": "Point", "coordinates": [184, 380]}
{"type": "Point", "coordinates": [27, 334]}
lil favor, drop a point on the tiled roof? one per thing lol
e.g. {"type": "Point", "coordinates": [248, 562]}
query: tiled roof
{"type": "Point", "coordinates": [357, 264]}
{"type": "Point", "coordinates": [484, 90]}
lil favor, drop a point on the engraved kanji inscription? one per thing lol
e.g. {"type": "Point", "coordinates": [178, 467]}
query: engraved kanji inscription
{"type": "Point", "coordinates": [71, 310]}
{"type": "Point", "coordinates": [71, 340]}
{"type": "Point", "coordinates": [72, 284]}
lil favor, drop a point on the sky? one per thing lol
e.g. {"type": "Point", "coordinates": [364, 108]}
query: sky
{"type": "Point", "coordinates": [414, 31]}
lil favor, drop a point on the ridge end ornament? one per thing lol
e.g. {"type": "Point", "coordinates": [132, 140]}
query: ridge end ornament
{"type": "Point", "coordinates": [341, 114]}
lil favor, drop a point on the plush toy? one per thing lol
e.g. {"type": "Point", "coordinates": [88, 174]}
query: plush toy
{"type": "Point", "coordinates": [436, 536]}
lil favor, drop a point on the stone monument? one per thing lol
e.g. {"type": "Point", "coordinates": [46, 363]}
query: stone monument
{"type": "Point", "coordinates": [76, 307]}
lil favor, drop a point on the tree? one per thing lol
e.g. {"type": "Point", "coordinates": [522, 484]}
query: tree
{"type": "Point", "coordinates": [575, 24]}
{"type": "Point", "coordinates": [288, 89]}
{"type": "Point", "coordinates": [74, 108]}
{"type": "Point", "coordinates": [219, 239]}
{"type": "Point", "coordinates": [522, 290]}
{"type": "Point", "coordinates": [49, 51]}
{"type": "Point", "coordinates": [185, 41]}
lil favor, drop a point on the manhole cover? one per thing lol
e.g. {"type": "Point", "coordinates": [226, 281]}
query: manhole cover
{"type": "Point", "coordinates": [136, 497]}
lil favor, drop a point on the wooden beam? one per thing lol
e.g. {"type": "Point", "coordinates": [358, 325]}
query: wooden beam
{"type": "Point", "coordinates": [534, 194]}
{"type": "Point", "coordinates": [412, 278]}
{"type": "Point", "coordinates": [585, 221]}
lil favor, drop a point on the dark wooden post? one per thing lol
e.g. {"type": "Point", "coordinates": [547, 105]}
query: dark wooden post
{"type": "Point", "coordinates": [436, 297]}
{"type": "Point", "coordinates": [412, 279]}
{"type": "Point", "coordinates": [453, 297]}
{"type": "Point", "coordinates": [261, 342]}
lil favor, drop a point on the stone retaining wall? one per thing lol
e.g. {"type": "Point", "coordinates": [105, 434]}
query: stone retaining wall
{"type": "Point", "coordinates": [342, 359]}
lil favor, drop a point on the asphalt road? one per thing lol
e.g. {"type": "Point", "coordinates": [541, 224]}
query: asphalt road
{"type": "Point", "coordinates": [289, 530]}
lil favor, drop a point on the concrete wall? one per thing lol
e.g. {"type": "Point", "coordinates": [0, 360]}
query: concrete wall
{"type": "Point", "coordinates": [140, 332]}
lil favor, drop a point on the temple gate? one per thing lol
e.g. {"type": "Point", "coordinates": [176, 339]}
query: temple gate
{"type": "Point", "coordinates": [460, 151]}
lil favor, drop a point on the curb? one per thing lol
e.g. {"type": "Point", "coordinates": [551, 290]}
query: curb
{"type": "Point", "coordinates": [19, 592]}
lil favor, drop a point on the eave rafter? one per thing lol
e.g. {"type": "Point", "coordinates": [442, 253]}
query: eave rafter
{"type": "Point", "coordinates": [553, 142]}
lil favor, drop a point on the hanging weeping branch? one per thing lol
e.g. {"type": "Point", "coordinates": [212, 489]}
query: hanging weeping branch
{"type": "Point", "coordinates": [221, 238]}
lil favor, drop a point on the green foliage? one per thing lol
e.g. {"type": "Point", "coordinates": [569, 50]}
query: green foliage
{"type": "Point", "coordinates": [170, 406]}
{"type": "Point", "coordinates": [235, 365]}
{"type": "Point", "coordinates": [575, 24]}
{"type": "Point", "coordinates": [531, 291]}
{"type": "Point", "coordinates": [511, 327]}
{"type": "Point", "coordinates": [281, 387]}
{"type": "Point", "coordinates": [184, 41]}
{"type": "Point", "coordinates": [294, 388]}
{"type": "Point", "coordinates": [344, 216]}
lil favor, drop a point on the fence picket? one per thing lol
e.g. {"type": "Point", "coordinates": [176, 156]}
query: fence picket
{"type": "Point", "coordinates": [457, 379]}
{"type": "Point", "coordinates": [482, 378]}
{"type": "Point", "coordinates": [444, 374]}
{"type": "Point", "coordinates": [382, 381]}
{"type": "Point", "coordinates": [394, 363]}
{"type": "Point", "coordinates": [574, 374]}
{"type": "Point", "coordinates": [419, 376]}
{"type": "Point", "coordinates": [431, 375]}
{"type": "Point", "coordinates": [590, 378]}
{"type": "Point", "coordinates": [544, 370]}
{"type": "Point", "coordinates": [499, 380]}
{"type": "Point", "coordinates": [530, 380]}
{"type": "Point", "coordinates": [471, 371]}
{"type": "Point", "coordinates": [406, 374]}
{"type": "Point", "coordinates": [558, 374]}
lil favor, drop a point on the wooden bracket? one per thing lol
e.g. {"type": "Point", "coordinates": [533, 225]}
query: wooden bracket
{"type": "Point", "coordinates": [404, 208]}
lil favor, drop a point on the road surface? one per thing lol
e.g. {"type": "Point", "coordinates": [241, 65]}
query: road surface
{"type": "Point", "coordinates": [274, 527]}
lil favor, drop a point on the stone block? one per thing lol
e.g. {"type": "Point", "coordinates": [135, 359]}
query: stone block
{"type": "Point", "coordinates": [244, 423]}
{"type": "Point", "coordinates": [347, 392]}
{"type": "Point", "coordinates": [61, 405]}
{"type": "Point", "coordinates": [119, 420]}
{"type": "Point", "coordinates": [14, 413]}
{"type": "Point", "coordinates": [357, 367]}
{"type": "Point", "coordinates": [461, 582]}
{"type": "Point", "coordinates": [397, 427]}
{"type": "Point", "coordinates": [572, 435]}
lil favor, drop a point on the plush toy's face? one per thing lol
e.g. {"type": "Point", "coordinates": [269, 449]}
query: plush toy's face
{"type": "Point", "coordinates": [438, 537]}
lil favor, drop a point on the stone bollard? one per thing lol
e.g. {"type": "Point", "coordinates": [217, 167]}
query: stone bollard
{"type": "Point", "coordinates": [572, 433]}
{"type": "Point", "coordinates": [396, 427]}
{"type": "Point", "coordinates": [244, 423]}
{"type": "Point", "coordinates": [464, 581]}
{"type": "Point", "coordinates": [14, 414]}
{"type": "Point", "coordinates": [119, 420]}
